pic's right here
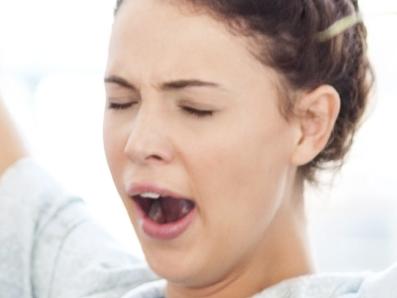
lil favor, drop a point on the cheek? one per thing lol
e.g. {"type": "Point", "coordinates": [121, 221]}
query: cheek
{"type": "Point", "coordinates": [240, 173]}
{"type": "Point", "coordinates": [114, 146]}
{"type": "Point", "coordinates": [239, 181]}
{"type": "Point", "coordinates": [109, 142]}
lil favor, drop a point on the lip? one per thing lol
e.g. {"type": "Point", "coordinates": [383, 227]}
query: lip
{"type": "Point", "coordinates": [138, 188]}
{"type": "Point", "coordinates": [153, 229]}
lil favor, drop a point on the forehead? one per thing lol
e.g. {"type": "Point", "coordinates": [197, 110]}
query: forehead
{"type": "Point", "coordinates": [156, 40]}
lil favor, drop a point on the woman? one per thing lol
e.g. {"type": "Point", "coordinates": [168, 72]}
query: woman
{"type": "Point", "coordinates": [217, 114]}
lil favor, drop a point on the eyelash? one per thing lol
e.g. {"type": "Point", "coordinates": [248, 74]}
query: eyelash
{"type": "Point", "coordinates": [120, 106]}
{"type": "Point", "coordinates": [191, 111]}
{"type": "Point", "coordinates": [197, 113]}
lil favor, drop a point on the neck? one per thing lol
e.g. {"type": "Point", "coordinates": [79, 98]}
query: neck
{"type": "Point", "coordinates": [282, 254]}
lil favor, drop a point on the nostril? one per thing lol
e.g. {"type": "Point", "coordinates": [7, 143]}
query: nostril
{"type": "Point", "coordinates": [149, 146]}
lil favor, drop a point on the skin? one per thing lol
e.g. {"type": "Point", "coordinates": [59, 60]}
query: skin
{"type": "Point", "coordinates": [239, 164]}
{"type": "Point", "coordinates": [11, 144]}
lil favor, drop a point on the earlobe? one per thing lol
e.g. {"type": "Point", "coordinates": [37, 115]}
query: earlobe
{"type": "Point", "coordinates": [316, 114]}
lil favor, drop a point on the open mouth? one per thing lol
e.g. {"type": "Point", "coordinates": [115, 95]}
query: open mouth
{"type": "Point", "coordinates": [164, 209]}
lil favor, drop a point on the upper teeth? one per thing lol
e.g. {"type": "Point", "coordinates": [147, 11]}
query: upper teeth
{"type": "Point", "coordinates": [150, 195]}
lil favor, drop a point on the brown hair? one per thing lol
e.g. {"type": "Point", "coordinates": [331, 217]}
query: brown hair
{"type": "Point", "coordinates": [286, 33]}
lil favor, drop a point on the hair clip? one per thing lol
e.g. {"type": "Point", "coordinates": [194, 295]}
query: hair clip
{"type": "Point", "coordinates": [343, 24]}
{"type": "Point", "coordinates": [339, 26]}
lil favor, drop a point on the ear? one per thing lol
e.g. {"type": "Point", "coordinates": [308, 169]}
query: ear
{"type": "Point", "coordinates": [316, 114]}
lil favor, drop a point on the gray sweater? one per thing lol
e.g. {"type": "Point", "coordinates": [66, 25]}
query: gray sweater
{"type": "Point", "coordinates": [51, 248]}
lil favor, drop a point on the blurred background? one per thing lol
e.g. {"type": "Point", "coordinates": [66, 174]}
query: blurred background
{"type": "Point", "coordinates": [52, 59]}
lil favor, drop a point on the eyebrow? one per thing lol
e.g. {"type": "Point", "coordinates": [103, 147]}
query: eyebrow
{"type": "Point", "coordinates": [120, 81]}
{"type": "Point", "coordinates": [166, 86]}
{"type": "Point", "coordinates": [182, 84]}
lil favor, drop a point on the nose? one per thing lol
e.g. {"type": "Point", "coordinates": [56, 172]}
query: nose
{"type": "Point", "coordinates": [148, 141]}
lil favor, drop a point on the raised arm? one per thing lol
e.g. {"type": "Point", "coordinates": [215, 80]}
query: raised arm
{"type": "Point", "coordinates": [12, 147]}
{"type": "Point", "coordinates": [50, 245]}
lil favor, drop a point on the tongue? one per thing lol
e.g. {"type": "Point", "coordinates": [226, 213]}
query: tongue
{"type": "Point", "coordinates": [156, 212]}
{"type": "Point", "coordinates": [167, 210]}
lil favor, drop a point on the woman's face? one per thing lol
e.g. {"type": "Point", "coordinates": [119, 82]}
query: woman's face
{"type": "Point", "coordinates": [192, 114]}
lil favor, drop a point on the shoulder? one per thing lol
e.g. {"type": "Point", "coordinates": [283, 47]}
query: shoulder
{"type": "Point", "coordinates": [336, 285]}
{"type": "Point", "coordinates": [380, 284]}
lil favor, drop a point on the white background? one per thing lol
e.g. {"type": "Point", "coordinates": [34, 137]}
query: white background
{"type": "Point", "coordinates": [52, 55]}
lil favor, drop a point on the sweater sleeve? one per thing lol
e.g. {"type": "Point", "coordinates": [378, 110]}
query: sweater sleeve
{"type": "Point", "coordinates": [382, 284]}
{"type": "Point", "coordinates": [51, 247]}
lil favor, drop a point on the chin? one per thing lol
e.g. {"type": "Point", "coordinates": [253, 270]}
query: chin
{"type": "Point", "coordinates": [175, 267]}
{"type": "Point", "coordinates": [175, 274]}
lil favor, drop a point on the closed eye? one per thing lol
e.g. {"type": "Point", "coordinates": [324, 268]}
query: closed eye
{"type": "Point", "coordinates": [120, 106]}
{"type": "Point", "coordinates": [197, 112]}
